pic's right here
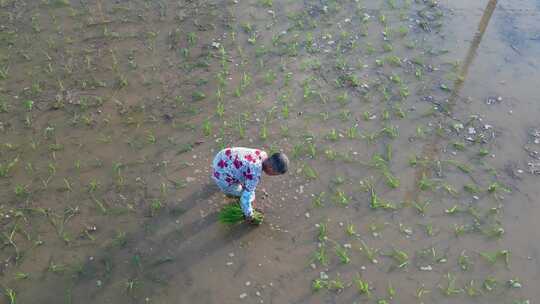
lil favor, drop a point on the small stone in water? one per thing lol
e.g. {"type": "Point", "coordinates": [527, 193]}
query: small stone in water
{"type": "Point", "coordinates": [243, 295]}
{"type": "Point", "coordinates": [307, 215]}
{"type": "Point", "coordinates": [248, 283]}
{"type": "Point", "coordinates": [426, 268]}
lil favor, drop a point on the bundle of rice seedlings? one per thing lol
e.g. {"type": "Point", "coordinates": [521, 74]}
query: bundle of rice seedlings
{"type": "Point", "coordinates": [232, 214]}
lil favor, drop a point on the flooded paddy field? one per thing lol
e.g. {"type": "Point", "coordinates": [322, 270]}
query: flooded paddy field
{"type": "Point", "coordinates": [412, 127]}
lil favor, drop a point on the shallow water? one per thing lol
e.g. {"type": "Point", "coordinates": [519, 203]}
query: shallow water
{"type": "Point", "coordinates": [410, 126]}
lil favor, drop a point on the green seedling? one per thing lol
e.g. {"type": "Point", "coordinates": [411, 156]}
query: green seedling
{"type": "Point", "coordinates": [459, 230]}
{"type": "Point", "coordinates": [150, 137]}
{"type": "Point", "coordinates": [401, 257]}
{"type": "Point", "coordinates": [330, 154]}
{"type": "Point", "coordinates": [496, 231]}
{"type": "Point", "coordinates": [458, 146]}
{"type": "Point", "coordinates": [28, 105]}
{"type": "Point", "coordinates": [472, 188]}
{"type": "Point", "coordinates": [421, 291]}
{"type": "Point", "coordinates": [514, 283]}
{"type": "Point", "coordinates": [11, 295]}
{"type": "Point", "coordinates": [370, 253]}
{"type": "Point", "coordinates": [490, 283]}
{"type": "Point", "coordinates": [120, 240]}
{"type": "Point", "coordinates": [371, 137]}
{"type": "Point", "coordinates": [464, 168]}
{"type": "Point", "coordinates": [4, 72]}
{"type": "Point", "coordinates": [351, 230]}
{"type": "Point", "coordinates": [425, 183]}
{"type": "Point", "coordinates": [309, 172]}
{"type": "Point", "coordinates": [318, 199]}
{"type": "Point", "coordinates": [471, 290]}
{"type": "Point", "coordinates": [362, 286]}
{"type": "Point", "coordinates": [192, 38]}
{"type": "Point", "coordinates": [492, 257]}
{"type": "Point", "coordinates": [263, 133]}
{"type": "Point", "coordinates": [483, 152]}
{"type": "Point", "coordinates": [332, 135]}
{"type": "Point", "coordinates": [391, 180]}
{"type": "Point", "coordinates": [429, 229]}
{"type": "Point", "coordinates": [342, 254]}
{"type": "Point", "coordinates": [352, 132]}
{"type": "Point", "coordinates": [450, 289]}
{"type": "Point", "coordinates": [336, 285]}
{"type": "Point", "coordinates": [122, 81]}
{"type": "Point", "coordinates": [220, 109]}
{"type": "Point", "coordinates": [375, 201]}
{"type": "Point", "coordinates": [408, 231]}
{"type": "Point", "coordinates": [453, 210]}
{"type": "Point", "coordinates": [5, 168]}
{"type": "Point", "coordinates": [380, 163]}
{"type": "Point", "coordinates": [131, 285]}
{"type": "Point", "coordinates": [421, 208]}
{"type": "Point", "coordinates": [285, 110]}
{"type": "Point", "coordinates": [21, 276]}
{"type": "Point", "coordinates": [394, 61]}
{"type": "Point", "coordinates": [450, 189]}
{"type": "Point", "coordinates": [323, 232]}
{"type": "Point", "coordinates": [444, 87]}
{"type": "Point", "coordinates": [341, 198]}
{"type": "Point", "coordinates": [198, 95]}
{"type": "Point", "coordinates": [497, 187]}
{"type": "Point", "coordinates": [338, 180]}
{"type": "Point", "coordinates": [343, 98]}
{"type": "Point", "coordinates": [93, 185]}
{"type": "Point", "coordinates": [390, 131]}
{"type": "Point", "coordinates": [319, 284]}
{"type": "Point", "coordinates": [464, 261]}
{"type": "Point", "coordinates": [56, 268]}
{"type": "Point", "coordinates": [21, 191]}
{"type": "Point", "coordinates": [311, 149]}
{"type": "Point", "coordinates": [207, 128]}
{"type": "Point", "coordinates": [155, 207]}
{"type": "Point", "coordinates": [391, 291]}
{"type": "Point", "coordinates": [321, 256]}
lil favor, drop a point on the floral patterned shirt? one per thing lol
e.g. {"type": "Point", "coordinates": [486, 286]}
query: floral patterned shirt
{"type": "Point", "coordinates": [243, 166]}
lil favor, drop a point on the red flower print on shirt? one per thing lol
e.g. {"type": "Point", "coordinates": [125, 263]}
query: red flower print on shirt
{"type": "Point", "coordinates": [228, 153]}
{"type": "Point", "coordinates": [249, 157]}
{"type": "Point", "coordinates": [222, 164]}
{"type": "Point", "coordinates": [216, 174]}
{"type": "Point", "coordinates": [248, 174]}
{"type": "Point", "coordinates": [237, 163]}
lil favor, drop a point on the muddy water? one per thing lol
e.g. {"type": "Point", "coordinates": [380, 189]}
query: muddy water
{"type": "Point", "coordinates": [410, 126]}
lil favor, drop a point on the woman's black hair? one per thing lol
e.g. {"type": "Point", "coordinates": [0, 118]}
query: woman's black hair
{"type": "Point", "coordinates": [279, 162]}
